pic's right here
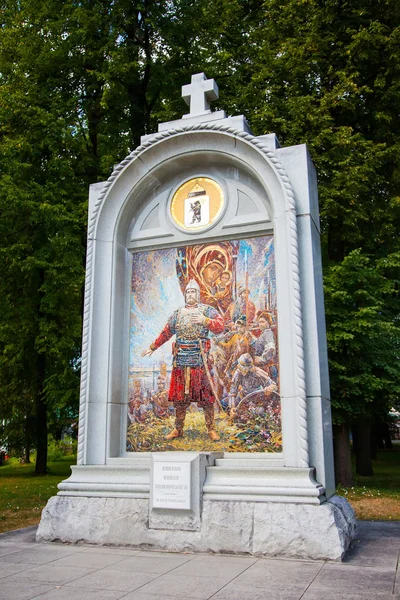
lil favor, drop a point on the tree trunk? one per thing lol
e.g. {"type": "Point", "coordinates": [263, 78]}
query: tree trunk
{"type": "Point", "coordinates": [41, 437]}
{"type": "Point", "coordinates": [28, 438]}
{"type": "Point", "coordinates": [363, 452]}
{"type": "Point", "coordinates": [381, 438]}
{"type": "Point", "coordinates": [341, 444]}
{"type": "Point", "coordinates": [375, 438]}
{"type": "Point", "coordinates": [354, 438]}
{"type": "Point", "coordinates": [387, 437]}
{"type": "Point", "coordinates": [41, 420]}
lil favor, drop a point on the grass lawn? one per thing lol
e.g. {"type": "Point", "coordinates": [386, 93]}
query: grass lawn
{"type": "Point", "coordinates": [23, 495]}
{"type": "Point", "coordinates": [377, 498]}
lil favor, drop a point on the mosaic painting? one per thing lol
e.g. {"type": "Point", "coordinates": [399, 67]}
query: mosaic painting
{"type": "Point", "coordinates": [203, 366]}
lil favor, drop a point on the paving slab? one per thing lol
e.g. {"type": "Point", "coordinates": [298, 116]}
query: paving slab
{"type": "Point", "coordinates": [108, 579]}
{"type": "Point", "coordinates": [147, 564]}
{"type": "Point", "coordinates": [382, 557]}
{"type": "Point", "coordinates": [278, 573]}
{"type": "Point", "coordinates": [236, 591]}
{"type": "Point", "coordinates": [396, 586]}
{"type": "Point", "coordinates": [378, 529]}
{"type": "Point", "coordinates": [65, 593]}
{"type": "Point", "coordinates": [21, 591]}
{"type": "Point", "coordinates": [89, 560]}
{"type": "Point", "coordinates": [39, 555]}
{"type": "Point", "coordinates": [377, 543]}
{"type": "Point", "coordinates": [209, 566]}
{"type": "Point", "coordinates": [27, 534]}
{"type": "Point", "coordinates": [12, 568]}
{"type": "Point", "coordinates": [141, 595]}
{"type": "Point", "coordinates": [200, 588]}
{"type": "Point", "coordinates": [13, 543]}
{"type": "Point", "coordinates": [48, 574]}
{"type": "Point", "coordinates": [7, 549]}
{"type": "Point", "coordinates": [108, 549]}
{"type": "Point", "coordinates": [347, 595]}
{"type": "Point", "coordinates": [164, 554]}
{"type": "Point", "coordinates": [56, 571]}
{"type": "Point", "coordinates": [354, 580]}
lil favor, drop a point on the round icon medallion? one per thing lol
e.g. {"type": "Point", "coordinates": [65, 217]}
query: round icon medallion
{"type": "Point", "coordinates": [197, 204]}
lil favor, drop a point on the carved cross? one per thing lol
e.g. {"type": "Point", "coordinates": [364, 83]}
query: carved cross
{"type": "Point", "coordinates": [199, 93]}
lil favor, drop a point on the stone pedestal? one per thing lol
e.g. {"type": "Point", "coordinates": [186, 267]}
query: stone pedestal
{"type": "Point", "coordinates": [321, 532]}
{"type": "Point", "coordinates": [237, 505]}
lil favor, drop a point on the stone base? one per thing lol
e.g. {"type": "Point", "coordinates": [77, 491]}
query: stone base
{"type": "Point", "coordinates": [307, 531]}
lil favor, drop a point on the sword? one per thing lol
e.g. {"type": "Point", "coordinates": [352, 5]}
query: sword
{"type": "Point", "coordinates": [210, 379]}
{"type": "Point", "coordinates": [252, 394]}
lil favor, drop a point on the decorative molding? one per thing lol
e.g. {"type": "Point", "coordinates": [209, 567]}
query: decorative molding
{"type": "Point", "coordinates": [109, 481]}
{"type": "Point", "coordinates": [220, 128]}
{"type": "Point", "coordinates": [236, 481]}
{"type": "Point", "coordinates": [245, 205]}
{"type": "Point", "coordinates": [152, 219]}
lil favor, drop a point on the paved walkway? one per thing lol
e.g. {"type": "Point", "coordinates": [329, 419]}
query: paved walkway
{"type": "Point", "coordinates": [66, 572]}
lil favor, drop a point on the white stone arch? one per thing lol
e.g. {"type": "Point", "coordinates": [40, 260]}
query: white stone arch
{"type": "Point", "coordinates": [111, 216]}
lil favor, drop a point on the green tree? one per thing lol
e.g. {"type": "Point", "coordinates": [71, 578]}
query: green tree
{"type": "Point", "coordinates": [364, 344]}
{"type": "Point", "coordinates": [328, 74]}
{"type": "Point", "coordinates": [79, 84]}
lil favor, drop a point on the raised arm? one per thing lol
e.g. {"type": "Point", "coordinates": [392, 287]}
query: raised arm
{"type": "Point", "coordinates": [164, 336]}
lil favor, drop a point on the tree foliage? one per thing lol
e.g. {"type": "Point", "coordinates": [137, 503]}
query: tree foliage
{"type": "Point", "coordinates": [82, 81]}
{"type": "Point", "coordinates": [363, 335]}
{"type": "Point", "coordinates": [328, 75]}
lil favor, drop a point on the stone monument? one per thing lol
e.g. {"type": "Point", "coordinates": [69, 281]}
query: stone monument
{"type": "Point", "coordinates": [205, 420]}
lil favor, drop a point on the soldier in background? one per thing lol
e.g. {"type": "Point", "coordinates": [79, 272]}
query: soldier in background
{"type": "Point", "coordinates": [239, 343]}
{"type": "Point", "coordinates": [264, 347]}
{"type": "Point", "coordinates": [160, 399]}
{"type": "Point", "coordinates": [239, 308]}
{"type": "Point", "coordinates": [251, 383]}
{"type": "Point", "coordinates": [146, 407]}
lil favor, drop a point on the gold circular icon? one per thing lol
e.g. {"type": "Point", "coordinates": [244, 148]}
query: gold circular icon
{"type": "Point", "coordinates": [197, 204]}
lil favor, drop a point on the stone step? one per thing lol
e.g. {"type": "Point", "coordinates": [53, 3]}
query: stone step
{"type": "Point", "coordinates": [230, 479]}
{"type": "Point", "coordinates": [249, 462]}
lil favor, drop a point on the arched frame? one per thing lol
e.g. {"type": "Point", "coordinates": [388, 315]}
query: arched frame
{"type": "Point", "coordinates": [139, 180]}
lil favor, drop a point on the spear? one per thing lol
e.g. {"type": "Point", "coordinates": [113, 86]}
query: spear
{"type": "Point", "coordinates": [246, 273]}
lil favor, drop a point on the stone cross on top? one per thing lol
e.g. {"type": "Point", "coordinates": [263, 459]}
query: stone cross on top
{"type": "Point", "coordinates": [198, 94]}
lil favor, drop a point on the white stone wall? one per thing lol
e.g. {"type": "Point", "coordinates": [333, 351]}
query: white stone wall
{"type": "Point", "coordinates": [261, 529]}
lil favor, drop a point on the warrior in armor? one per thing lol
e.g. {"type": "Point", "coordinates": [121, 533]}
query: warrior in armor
{"type": "Point", "coordinates": [239, 308]}
{"type": "Point", "coordinates": [160, 399]}
{"type": "Point", "coordinates": [238, 343]}
{"type": "Point", "coordinates": [190, 378]}
{"type": "Point", "coordinates": [249, 382]}
{"type": "Point", "coordinates": [264, 346]}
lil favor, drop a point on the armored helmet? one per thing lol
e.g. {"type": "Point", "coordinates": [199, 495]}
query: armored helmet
{"type": "Point", "coordinates": [245, 360]}
{"type": "Point", "coordinates": [193, 285]}
{"type": "Point", "coordinates": [245, 363]}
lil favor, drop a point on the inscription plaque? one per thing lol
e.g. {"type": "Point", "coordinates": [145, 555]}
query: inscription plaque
{"type": "Point", "coordinates": [171, 485]}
